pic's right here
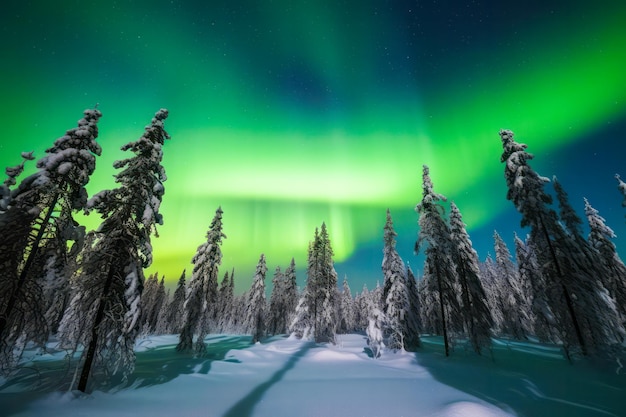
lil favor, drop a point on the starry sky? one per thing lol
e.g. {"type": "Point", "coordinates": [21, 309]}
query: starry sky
{"type": "Point", "coordinates": [288, 114]}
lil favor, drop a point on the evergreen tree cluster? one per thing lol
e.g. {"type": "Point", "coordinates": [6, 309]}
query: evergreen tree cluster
{"type": "Point", "coordinates": [88, 288]}
{"type": "Point", "coordinates": [84, 287]}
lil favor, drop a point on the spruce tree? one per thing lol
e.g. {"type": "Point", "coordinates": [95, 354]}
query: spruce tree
{"type": "Point", "coordinates": [317, 308]}
{"type": "Point", "coordinates": [542, 320]}
{"type": "Point", "coordinates": [104, 312]}
{"type": "Point", "coordinates": [613, 274]}
{"type": "Point", "coordinates": [176, 308]}
{"type": "Point", "coordinates": [346, 309]}
{"type": "Point", "coordinates": [402, 331]}
{"type": "Point", "coordinates": [225, 305]}
{"type": "Point", "coordinates": [276, 323]}
{"type": "Point", "coordinates": [476, 313]}
{"type": "Point", "coordinates": [38, 214]}
{"type": "Point", "coordinates": [255, 315]}
{"type": "Point", "coordinates": [290, 295]}
{"type": "Point", "coordinates": [434, 235]}
{"type": "Point", "coordinates": [515, 320]}
{"type": "Point", "coordinates": [587, 318]}
{"type": "Point", "coordinates": [201, 301]}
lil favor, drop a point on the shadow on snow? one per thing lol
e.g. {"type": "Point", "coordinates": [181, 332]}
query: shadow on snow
{"type": "Point", "coordinates": [529, 378]}
{"type": "Point", "coordinates": [245, 406]}
{"type": "Point", "coordinates": [152, 366]}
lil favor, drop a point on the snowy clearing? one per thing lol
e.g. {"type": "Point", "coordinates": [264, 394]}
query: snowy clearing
{"type": "Point", "coordinates": [287, 377]}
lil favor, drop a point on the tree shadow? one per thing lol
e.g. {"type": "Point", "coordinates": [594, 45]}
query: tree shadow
{"type": "Point", "coordinates": [529, 380]}
{"type": "Point", "coordinates": [152, 367]}
{"type": "Point", "coordinates": [245, 406]}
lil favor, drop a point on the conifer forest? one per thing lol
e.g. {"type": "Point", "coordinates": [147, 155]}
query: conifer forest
{"type": "Point", "coordinates": [87, 289]}
{"type": "Point", "coordinates": [407, 208]}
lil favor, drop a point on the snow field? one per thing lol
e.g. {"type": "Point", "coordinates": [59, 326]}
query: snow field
{"type": "Point", "coordinates": [281, 377]}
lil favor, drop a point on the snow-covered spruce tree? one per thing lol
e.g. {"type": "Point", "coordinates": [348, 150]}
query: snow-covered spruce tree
{"type": "Point", "coordinates": [200, 304]}
{"type": "Point", "coordinates": [276, 323]}
{"type": "Point", "coordinates": [586, 316]}
{"type": "Point", "coordinates": [474, 306]}
{"type": "Point", "coordinates": [316, 311]}
{"type": "Point", "coordinates": [376, 323]}
{"type": "Point", "coordinates": [614, 271]}
{"type": "Point", "coordinates": [162, 325]}
{"type": "Point", "coordinates": [346, 309]}
{"type": "Point", "coordinates": [255, 314]}
{"type": "Point", "coordinates": [414, 297]}
{"type": "Point", "coordinates": [152, 300]}
{"type": "Point", "coordinates": [176, 308]}
{"type": "Point", "coordinates": [39, 211]}
{"type": "Point", "coordinates": [542, 321]}
{"type": "Point", "coordinates": [489, 278]}
{"type": "Point", "coordinates": [290, 295]}
{"type": "Point", "coordinates": [225, 304]}
{"type": "Point", "coordinates": [402, 331]}
{"type": "Point", "coordinates": [434, 235]}
{"type": "Point", "coordinates": [361, 309]}
{"type": "Point", "coordinates": [104, 311]}
{"type": "Point", "coordinates": [514, 309]}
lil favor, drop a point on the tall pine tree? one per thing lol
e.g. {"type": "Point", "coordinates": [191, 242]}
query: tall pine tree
{"type": "Point", "coordinates": [476, 314]}
{"type": "Point", "coordinates": [200, 304]}
{"type": "Point", "coordinates": [36, 224]}
{"type": "Point", "coordinates": [104, 311]}
{"type": "Point", "coordinates": [434, 236]}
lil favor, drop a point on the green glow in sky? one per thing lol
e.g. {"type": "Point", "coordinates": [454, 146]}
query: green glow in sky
{"type": "Point", "coordinates": [290, 116]}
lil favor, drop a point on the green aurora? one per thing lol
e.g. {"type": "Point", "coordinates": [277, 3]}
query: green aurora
{"type": "Point", "coordinates": [288, 116]}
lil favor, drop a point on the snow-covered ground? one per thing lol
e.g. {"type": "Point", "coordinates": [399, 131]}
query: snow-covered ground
{"type": "Point", "coordinates": [290, 377]}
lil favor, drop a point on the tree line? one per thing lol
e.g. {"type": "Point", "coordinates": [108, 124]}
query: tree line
{"type": "Point", "coordinates": [88, 290]}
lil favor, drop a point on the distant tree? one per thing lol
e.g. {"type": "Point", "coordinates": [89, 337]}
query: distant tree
{"type": "Point", "coordinates": [402, 331]}
{"type": "Point", "coordinates": [255, 316]}
{"type": "Point", "coordinates": [434, 235]}
{"type": "Point", "coordinates": [586, 317]}
{"type": "Point", "coordinates": [542, 320]}
{"type": "Point", "coordinates": [162, 326]}
{"type": "Point", "coordinates": [317, 309]}
{"type": "Point", "coordinates": [152, 300]}
{"type": "Point", "coordinates": [478, 321]}
{"type": "Point", "coordinates": [515, 320]}
{"type": "Point", "coordinates": [489, 279]}
{"type": "Point", "coordinates": [290, 295]}
{"type": "Point", "coordinates": [276, 321]}
{"type": "Point", "coordinates": [614, 271]}
{"type": "Point", "coordinates": [226, 299]}
{"type": "Point", "coordinates": [361, 309]}
{"type": "Point", "coordinates": [201, 301]}
{"type": "Point", "coordinates": [36, 224]}
{"type": "Point", "coordinates": [346, 309]}
{"type": "Point", "coordinates": [176, 308]}
{"type": "Point", "coordinates": [104, 311]}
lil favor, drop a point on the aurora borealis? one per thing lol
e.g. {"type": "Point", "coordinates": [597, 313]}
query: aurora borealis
{"type": "Point", "coordinates": [290, 113]}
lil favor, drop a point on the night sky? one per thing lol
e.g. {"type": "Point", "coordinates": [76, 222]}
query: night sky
{"type": "Point", "coordinates": [291, 113]}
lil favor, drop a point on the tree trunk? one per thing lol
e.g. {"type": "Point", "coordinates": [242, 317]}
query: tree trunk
{"type": "Point", "coordinates": [4, 317]}
{"type": "Point", "coordinates": [93, 343]}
